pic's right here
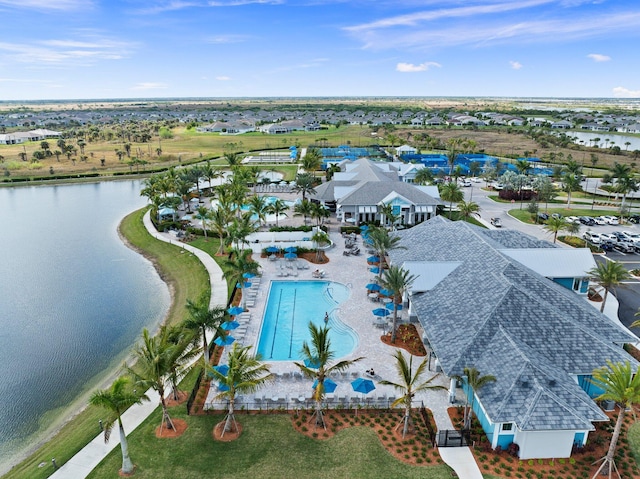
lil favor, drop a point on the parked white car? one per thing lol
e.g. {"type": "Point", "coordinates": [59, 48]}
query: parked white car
{"type": "Point", "coordinates": [612, 220]}
{"type": "Point", "coordinates": [572, 219]}
{"type": "Point", "coordinates": [592, 237]}
{"type": "Point", "coordinates": [608, 237]}
{"type": "Point", "coordinates": [633, 237]}
{"type": "Point", "coordinates": [600, 221]}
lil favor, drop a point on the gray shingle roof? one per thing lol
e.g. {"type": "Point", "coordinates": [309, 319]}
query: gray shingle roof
{"type": "Point", "coordinates": [497, 315]}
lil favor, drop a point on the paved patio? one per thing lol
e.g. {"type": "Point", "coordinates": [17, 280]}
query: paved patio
{"type": "Point", "coordinates": [356, 313]}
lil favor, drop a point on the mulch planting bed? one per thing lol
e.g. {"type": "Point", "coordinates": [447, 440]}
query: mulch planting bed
{"type": "Point", "coordinates": [415, 448]}
{"type": "Point", "coordinates": [407, 338]}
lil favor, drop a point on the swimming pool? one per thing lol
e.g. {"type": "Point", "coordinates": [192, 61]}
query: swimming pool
{"type": "Point", "coordinates": [290, 307]}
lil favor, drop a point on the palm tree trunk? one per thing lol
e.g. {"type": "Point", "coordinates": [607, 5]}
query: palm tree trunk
{"type": "Point", "coordinates": [319, 414]}
{"type": "Point", "coordinates": [205, 347]}
{"type": "Point", "coordinates": [231, 417]}
{"type": "Point", "coordinates": [609, 458]}
{"type": "Point", "coordinates": [407, 420]}
{"type": "Point", "coordinates": [395, 320]}
{"type": "Point", "coordinates": [127, 465]}
{"type": "Point", "coordinates": [604, 300]}
{"type": "Point", "coordinates": [166, 419]}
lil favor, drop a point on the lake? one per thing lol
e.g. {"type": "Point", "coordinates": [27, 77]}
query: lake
{"type": "Point", "coordinates": [614, 140]}
{"type": "Point", "coordinates": [73, 301]}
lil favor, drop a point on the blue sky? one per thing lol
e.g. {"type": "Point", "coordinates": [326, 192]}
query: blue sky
{"type": "Point", "coordinates": [81, 49]}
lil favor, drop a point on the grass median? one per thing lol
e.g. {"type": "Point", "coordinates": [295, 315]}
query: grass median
{"type": "Point", "coordinates": [187, 278]}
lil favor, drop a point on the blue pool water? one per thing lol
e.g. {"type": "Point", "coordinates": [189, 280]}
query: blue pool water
{"type": "Point", "coordinates": [270, 200]}
{"type": "Point", "coordinates": [290, 307]}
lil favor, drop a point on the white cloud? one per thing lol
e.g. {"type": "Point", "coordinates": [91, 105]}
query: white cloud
{"type": "Point", "coordinates": [47, 4]}
{"type": "Point", "coordinates": [65, 52]}
{"type": "Point", "coordinates": [597, 57]}
{"type": "Point", "coordinates": [515, 65]}
{"type": "Point", "coordinates": [622, 92]}
{"type": "Point", "coordinates": [227, 38]}
{"type": "Point", "coordinates": [223, 78]}
{"type": "Point", "coordinates": [411, 68]}
{"type": "Point", "coordinates": [150, 86]}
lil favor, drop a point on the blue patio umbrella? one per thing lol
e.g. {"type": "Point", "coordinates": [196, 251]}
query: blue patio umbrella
{"type": "Point", "coordinates": [312, 363]}
{"type": "Point", "coordinates": [226, 341]}
{"type": "Point", "coordinates": [375, 269]}
{"type": "Point", "coordinates": [362, 385]}
{"type": "Point", "coordinates": [382, 312]}
{"type": "Point", "coordinates": [291, 249]}
{"type": "Point", "coordinates": [368, 240]}
{"type": "Point", "coordinates": [245, 285]}
{"type": "Point", "coordinates": [386, 292]}
{"type": "Point", "coordinates": [222, 369]}
{"type": "Point", "coordinates": [329, 385]}
{"type": "Point", "coordinates": [364, 227]}
{"type": "Point", "coordinates": [222, 387]}
{"type": "Point", "coordinates": [391, 304]}
{"type": "Point", "coordinates": [290, 255]}
{"type": "Point", "coordinates": [272, 249]}
{"type": "Point", "coordinates": [373, 259]}
{"type": "Point", "coordinates": [230, 325]}
{"type": "Point", "coordinates": [235, 310]}
{"type": "Point", "coordinates": [373, 287]}
{"type": "Point", "coordinates": [248, 275]}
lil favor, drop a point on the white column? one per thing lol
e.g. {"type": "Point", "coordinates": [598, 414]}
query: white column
{"type": "Point", "coordinates": [452, 390]}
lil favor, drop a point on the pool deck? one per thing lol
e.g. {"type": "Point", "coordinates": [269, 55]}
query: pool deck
{"type": "Point", "coordinates": [356, 312]}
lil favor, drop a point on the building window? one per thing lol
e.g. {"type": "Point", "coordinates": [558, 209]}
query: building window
{"type": "Point", "coordinates": [507, 426]}
{"type": "Point", "coordinates": [576, 284]}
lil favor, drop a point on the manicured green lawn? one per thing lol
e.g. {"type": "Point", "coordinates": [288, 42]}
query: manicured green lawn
{"type": "Point", "coordinates": [188, 279]}
{"type": "Point", "coordinates": [268, 448]}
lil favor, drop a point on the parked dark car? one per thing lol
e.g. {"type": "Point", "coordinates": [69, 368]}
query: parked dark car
{"type": "Point", "coordinates": [586, 220]}
{"type": "Point", "coordinates": [634, 219]}
{"type": "Point", "coordinates": [543, 216]}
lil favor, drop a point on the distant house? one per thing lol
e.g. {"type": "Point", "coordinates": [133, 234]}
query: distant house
{"type": "Point", "coordinates": [562, 124]}
{"type": "Point", "coordinates": [228, 128]}
{"type": "Point", "coordinates": [505, 303]}
{"type": "Point", "coordinates": [19, 137]}
{"type": "Point", "coordinates": [406, 150]}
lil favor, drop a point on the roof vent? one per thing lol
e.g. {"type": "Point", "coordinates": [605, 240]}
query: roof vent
{"type": "Point", "coordinates": [552, 382]}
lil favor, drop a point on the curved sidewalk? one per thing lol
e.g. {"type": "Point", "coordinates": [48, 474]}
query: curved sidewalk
{"type": "Point", "coordinates": [80, 465]}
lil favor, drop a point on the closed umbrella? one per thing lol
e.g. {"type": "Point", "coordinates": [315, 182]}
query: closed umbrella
{"type": "Point", "coordinates": [235, 310]}
{"type": "Point", "coordinates": [382, 312]}
{"type": "Point", "coordinates": [329, 385]}
{"type": "Point", "coordinates": [373, 287]}
{"type": "Point", "coordinates": [230, 325]}
{"type": "Point", "coordinates": [226, 341]}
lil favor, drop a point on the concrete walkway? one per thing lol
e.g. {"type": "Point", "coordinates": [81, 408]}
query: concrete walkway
{"type": "Point", "coordinates": [80, 465]}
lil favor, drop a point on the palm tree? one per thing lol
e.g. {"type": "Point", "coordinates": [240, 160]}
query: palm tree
{"type": "Point", "coordinates": [236, 268]}
{"type": "Point", "coordinates": [210, 173]}
{"type": "Point", "coordinates": [424, 176]}
{"type": "Point", "coordinates": [622, 385]}
{"type": "Point", "coordinates": [312, 160]}
{"type": "Point", "coordinates": [409, 385]}
{"type": "Point", "coordinates": [203, 214]}
{"type": "Point", "coordinates": [453, 145]}
{"type": "Point", "coordinates": [201, 318]}
{"type": "Point", "coordinates": [117, 399]}
{"type": "Point", "coordinates": [474, 382]}
{"type": "Point", "coordinates": [382, 242]}
{"type": "Point", "coordinates": [398, 281]}
{"type": "Point", "coordinates": [319, 353]}
{"type": "Point", "coordinates": [320, 239]}
{"type": "Point", "coordinates": [468, 209]}
{"type": "Point", "coordinates": [246, 374]}
{"type": "Point", "coordinates": [259, 207]}
{"type": "Point", "coordinates": [240, 228]}
{"type": "Point", "coordinates": [608, 274]}
{"type": "Point", "coordinates": [554, 225]}
{"type": "Point", "coordinates": [304, 185]}
{"type": "Point", "coordinates": [303, 209]}
{"type": "Point", "coordinates": [220, 219]}
{"type": "Point", "coordinates": [387, 214]}
{"type": "Point", "coordinates": [278, 207]}
{"type": "Point", "coordinates": [571, 183]}
{"type": "Point", "coordinates": [155, 361]}
{"type": "Point", "coordinates": [452, 193]}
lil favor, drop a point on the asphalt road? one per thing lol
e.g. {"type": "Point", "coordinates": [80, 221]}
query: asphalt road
{"type": "Point", "coordinates": [628, 294]}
